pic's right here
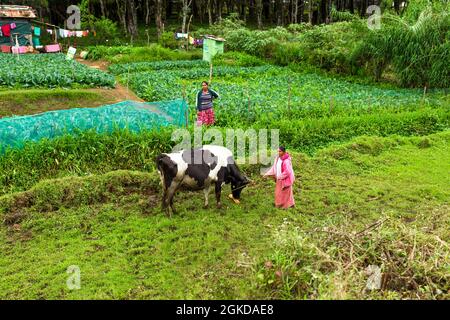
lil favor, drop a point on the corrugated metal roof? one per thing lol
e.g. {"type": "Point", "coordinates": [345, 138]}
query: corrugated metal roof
{"type": "Point", "coordinates": [10, 11]}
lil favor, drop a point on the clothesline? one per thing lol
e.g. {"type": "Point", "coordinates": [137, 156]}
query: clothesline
{"type": "Point", "coordinates": [64, 33]}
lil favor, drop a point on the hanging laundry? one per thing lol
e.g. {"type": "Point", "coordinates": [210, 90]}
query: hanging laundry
{"type": "Point", "coordinates": [79, 34]}
{"type": "Point", "coordinates": [13, 26]}
{"type": "Point", "coordinates": [181, 35]}
{"type": "Point", "coordinates": [37, 31]}
{"type": "Point", "coordinates": [36, 42]}
{"type": "Point", "coordinates": [49, 31]}
{"type": "Point", "coordinates": [1, 33]}
{"type": "Point", "coordinates": [191, 40]}
{"type": "Point", "coordinates": [6, 30]}
{"type": "Point", "coordinates": [85, 33]}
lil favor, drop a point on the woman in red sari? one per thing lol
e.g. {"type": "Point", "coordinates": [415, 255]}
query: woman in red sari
{"type": "Point", "coordinates": [283, 174]}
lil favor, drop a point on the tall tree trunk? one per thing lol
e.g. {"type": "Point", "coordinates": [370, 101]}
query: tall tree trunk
{"type": "Point", "coordinates": [259, 11]}
{"type": "Point", "coordinates": [310, 11]}
{"type": "Point", "coordinates": [279, 12]}
{"type": "Point", "coordinates": [158, 18]}
{"type": "Point", "coordinates": [302, 10]}
{"type": "Point", "coordinates": [185, 10]}
{"type": "Point", "coordinates": [132, 18]}
{"type": "Point", "coordinates": [295, 11]}
{"type": "Point", "coordinates": [219, 5]}
{"type": "Point", "coordinates": [121, 12]}
{"type": "Point", "coordinates": [210, 20]}
{"type": "Point", "coordinates": [147, 12]}
{"type": "Point", "coordinates": [330, 4]}
{"type": "Point", "coordinates": [102, 7]}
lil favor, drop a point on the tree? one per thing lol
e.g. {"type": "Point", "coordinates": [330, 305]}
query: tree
{"type": "Point", "coordinates": [259, 12]}
{"type": "Point", "coordinates": [186, 4]}
{"type": "Point", "coordinates": [158, 19]}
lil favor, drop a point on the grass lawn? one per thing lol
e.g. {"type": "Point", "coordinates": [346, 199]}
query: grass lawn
{"type": "Point", "coordinates": [31, 101]}
{"type": "Point", "coordinates": [372, 201]}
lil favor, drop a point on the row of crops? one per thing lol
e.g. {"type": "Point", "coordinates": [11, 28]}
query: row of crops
{"type": "Point", "coordinates": [268, 93]}
{"type": "Point", "coordinates": [49, 70]}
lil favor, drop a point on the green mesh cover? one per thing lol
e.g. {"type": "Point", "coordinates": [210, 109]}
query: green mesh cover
{"type": "Point", "coordinates": [14, 131]}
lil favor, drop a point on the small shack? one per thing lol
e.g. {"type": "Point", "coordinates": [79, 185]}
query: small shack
{"type": "Point", "coordinates": [15, 25]}
{"type": "Point", "coordinates": [212, 46]}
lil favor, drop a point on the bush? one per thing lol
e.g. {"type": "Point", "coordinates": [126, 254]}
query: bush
{"type": "Point", "coordinates": [419, 54]}
{"type": "Point", "coordinates": [168, 40]}
{"type": "Point", "coordinates": [234, 58]}
{"type": "Point", "coordinates": [106, 29]}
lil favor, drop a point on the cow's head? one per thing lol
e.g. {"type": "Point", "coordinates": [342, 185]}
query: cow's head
{"type": "Point", "coordinates": [237, 185]}
{"type": "Point", "coordinates": [237, 179]}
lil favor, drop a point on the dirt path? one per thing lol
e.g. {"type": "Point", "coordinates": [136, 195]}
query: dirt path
{"type": "Point", "coordinates": [119, 93]}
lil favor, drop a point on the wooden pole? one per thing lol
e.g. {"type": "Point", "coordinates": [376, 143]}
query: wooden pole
{"type": "Point", "coordinates": [189, 23]}
{"type": "Point", "coordinates": [248, 98]}
{"type": "Point", "coordinates": [185, 110]}
{"type": "Point", "coordinates": [289, 96]}
{"type": "Point", "coordinates": [210, 72]}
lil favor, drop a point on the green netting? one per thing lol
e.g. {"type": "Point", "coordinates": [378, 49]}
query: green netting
{"type": "Point", "coordinates": [133, 115]}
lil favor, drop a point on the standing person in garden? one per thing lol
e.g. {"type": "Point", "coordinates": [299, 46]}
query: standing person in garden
{"type": "Point", "coordinates": [205, 112]}
{"type": "Point", "coordinates": [283, 174]}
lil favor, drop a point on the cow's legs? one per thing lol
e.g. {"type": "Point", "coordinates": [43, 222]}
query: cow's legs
{"type": "Point", "coordinates": [164, 197]}
{"type": "Point", "coordinates": [169, 199]}
{"type": "Point", "coordinates": [164, 202]}
{"type": "Point", "coordinates": [206, 192]}
{"type": "Point", "coordinates": [218, 190]}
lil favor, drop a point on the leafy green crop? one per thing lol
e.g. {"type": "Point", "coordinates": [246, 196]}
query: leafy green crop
{"type": "Point", "coordinates": [268, 93]}
{"type": "Point", "coordinates": [49, 70]}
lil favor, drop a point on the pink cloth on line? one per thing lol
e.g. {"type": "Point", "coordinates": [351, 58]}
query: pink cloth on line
{"type": "Point", "coordinates": [284, 196]}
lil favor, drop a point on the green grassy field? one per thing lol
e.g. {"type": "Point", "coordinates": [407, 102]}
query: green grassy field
{"type": "Point", "coordinates": [31, 101]}
{"type": "Point", "coordinates": [371, 201]}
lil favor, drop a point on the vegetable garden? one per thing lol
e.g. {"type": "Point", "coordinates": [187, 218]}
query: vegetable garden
{"type": "Point", "coordinates": [49, 70]}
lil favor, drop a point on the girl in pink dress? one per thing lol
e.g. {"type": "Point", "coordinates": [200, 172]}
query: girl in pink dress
{"type": "Point", "coordinates": [283, 174]}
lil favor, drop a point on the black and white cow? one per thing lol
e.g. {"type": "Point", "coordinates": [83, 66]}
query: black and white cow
{"type": "Point", "coordinates": [199, 169]}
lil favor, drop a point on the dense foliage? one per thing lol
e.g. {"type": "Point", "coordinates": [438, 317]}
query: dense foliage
{"type": "Point", "coordinates": [413, 47]}
{"type": "Point", "coordinates": [419, 53]}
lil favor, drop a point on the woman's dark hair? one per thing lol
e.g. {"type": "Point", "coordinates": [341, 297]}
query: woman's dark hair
{"type": "Point", "coordinates": [204, 82]}
{"type": "Point", "coordinates": [282, 148]}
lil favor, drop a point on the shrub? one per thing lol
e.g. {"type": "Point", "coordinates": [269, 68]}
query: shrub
{"type": "Point", "coordinates": [235, 58]}
{"type": "Point", "coordinates": [168, 40]}
{"type": "Point", "coordinates": [106, 29]}
{"type": "Point", "coordinates": [419, 54]}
